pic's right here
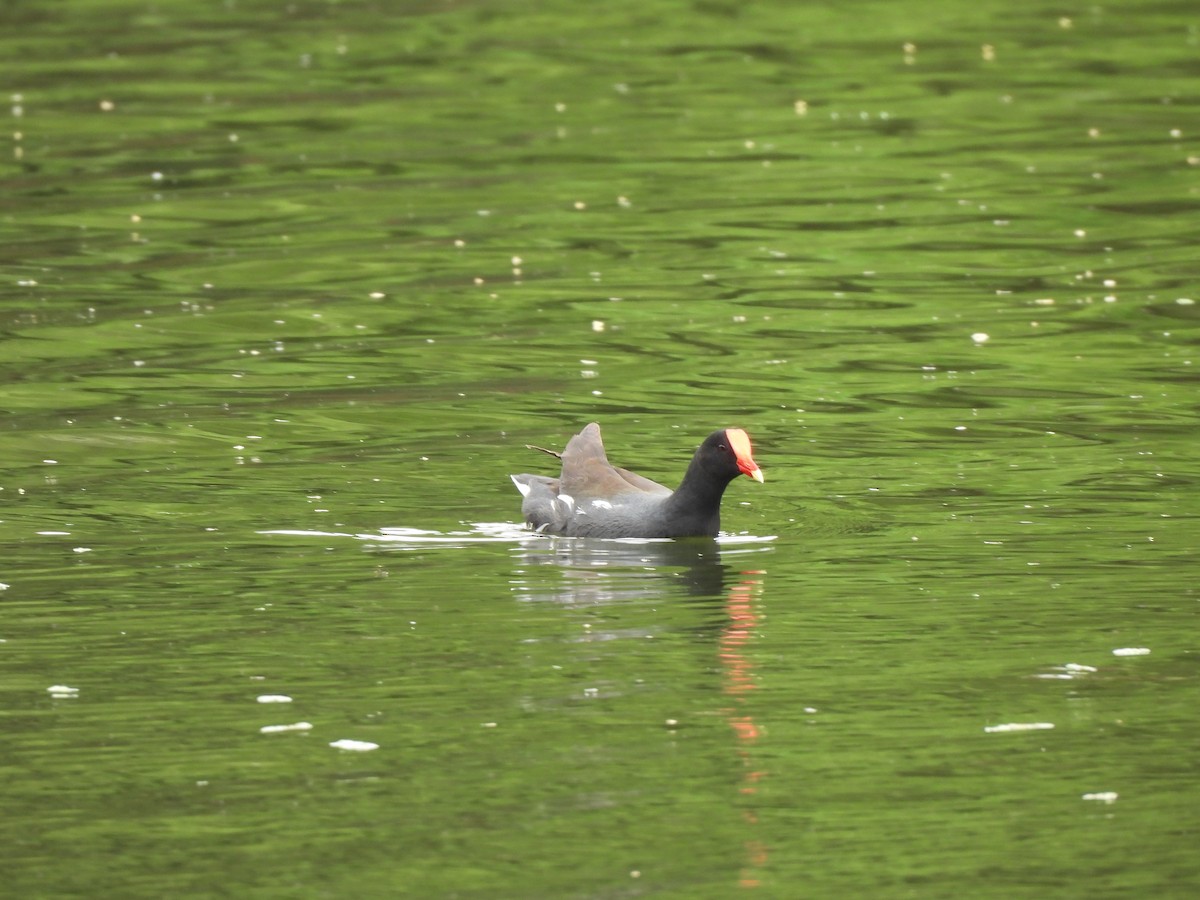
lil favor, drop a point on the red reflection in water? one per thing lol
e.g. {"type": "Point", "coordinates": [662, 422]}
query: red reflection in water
{"type": "Point", "coordinates": [739, 682]}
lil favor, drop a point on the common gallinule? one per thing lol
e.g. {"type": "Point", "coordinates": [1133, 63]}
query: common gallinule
{"type": "Point", "coordinates": [593, 498]}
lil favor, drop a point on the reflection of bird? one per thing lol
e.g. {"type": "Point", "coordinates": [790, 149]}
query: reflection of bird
{"type": "Point", "coordinates": [593, 498]}
{"type": "Point", "coordinates": [601, 572]}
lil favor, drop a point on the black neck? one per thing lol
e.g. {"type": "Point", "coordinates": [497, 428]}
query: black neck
{"type": "Point", "coordinates": [699, 494]}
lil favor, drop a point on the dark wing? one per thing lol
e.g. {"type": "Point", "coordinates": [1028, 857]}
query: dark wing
{"type": "Point", "coordinates": [642, 483]}
{"type": "Point", "coordinates": [587, 473]}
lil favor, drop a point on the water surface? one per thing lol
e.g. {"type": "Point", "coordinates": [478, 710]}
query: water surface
{"type": "Point", "coordinates": [285, 292]}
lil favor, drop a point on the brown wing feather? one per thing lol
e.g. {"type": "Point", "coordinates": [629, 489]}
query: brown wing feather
{"type": "Point", "coordinates": [587, 472]}
{"type": "Point", "coordinates": [642, 483]}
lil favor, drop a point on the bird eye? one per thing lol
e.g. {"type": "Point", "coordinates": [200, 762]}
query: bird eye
{"type": "Point", "coordinates": [722, 447]}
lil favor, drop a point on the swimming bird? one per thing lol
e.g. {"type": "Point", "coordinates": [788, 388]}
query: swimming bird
{"type": "Point", "coordinates": [593, 498]}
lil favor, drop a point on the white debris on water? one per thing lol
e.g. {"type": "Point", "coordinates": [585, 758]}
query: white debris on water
{"type": "Point", "coordinates": [62, 692]}
{"type": "Point", "coordinates": [1068, 672]}
{"type": "Point", "coordinates": [273, 698]}
{"type": "Point", "coordinates": [357, 746]}
{"type": "Point", "coordinates": [1018, 726]}
{"type": "Point", "coordinates": [277, 729]}
{"type": "Point", "coordinates": [1132, 651]}
{"type": "Point", "coordinates": [1107, 797]}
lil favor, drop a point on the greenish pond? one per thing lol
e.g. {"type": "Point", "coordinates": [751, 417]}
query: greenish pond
{"type": "Point", "coordinates": [285, 290]}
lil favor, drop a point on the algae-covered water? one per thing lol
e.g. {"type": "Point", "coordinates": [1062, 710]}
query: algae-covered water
{"type": "Point", "coordinates": [285, 290]}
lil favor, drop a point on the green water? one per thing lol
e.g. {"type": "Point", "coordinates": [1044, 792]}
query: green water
{"type": "Point", "coordinates": [285, 290]}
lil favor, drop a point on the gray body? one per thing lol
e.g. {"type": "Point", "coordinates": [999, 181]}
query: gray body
{"type": "Point", "coordinates": [593, 498]}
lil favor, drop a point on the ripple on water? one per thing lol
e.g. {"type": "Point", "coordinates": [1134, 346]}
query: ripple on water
{"type": "Point", "coordinates": [404, 537]}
